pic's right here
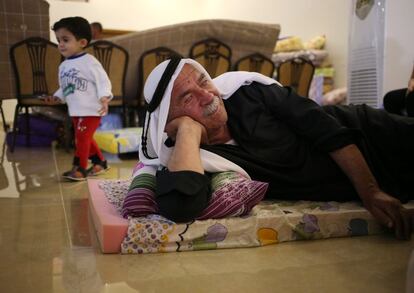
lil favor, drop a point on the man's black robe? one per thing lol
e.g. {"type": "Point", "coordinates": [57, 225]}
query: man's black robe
{"type": "Point", "coordinates": [285, 139]}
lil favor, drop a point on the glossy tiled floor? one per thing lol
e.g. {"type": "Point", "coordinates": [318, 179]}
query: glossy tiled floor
{"type": "Point", "coordinates": [46, 245]}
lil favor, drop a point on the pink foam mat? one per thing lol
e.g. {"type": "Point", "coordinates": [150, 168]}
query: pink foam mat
{"type": "Point", "coordinates": [110, 226]}
{"type": "Point", "coordinates": [333, 221]}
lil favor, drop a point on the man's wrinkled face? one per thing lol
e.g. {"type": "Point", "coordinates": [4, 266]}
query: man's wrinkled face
{"type": "Point", "coordinates": [195, 96]}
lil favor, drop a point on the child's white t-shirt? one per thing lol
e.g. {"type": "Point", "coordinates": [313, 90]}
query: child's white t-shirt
{"type": "Point", "coordinates": [82, 82]}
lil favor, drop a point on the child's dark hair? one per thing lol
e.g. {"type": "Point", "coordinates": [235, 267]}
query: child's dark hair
{"type": "Point", "coordinates": [77, 25]}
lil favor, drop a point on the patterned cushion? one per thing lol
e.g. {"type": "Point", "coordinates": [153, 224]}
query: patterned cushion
{"type": "Point", "coordinates": [140, 199]}
{"type": "Point", "coordinates": [233, 195]}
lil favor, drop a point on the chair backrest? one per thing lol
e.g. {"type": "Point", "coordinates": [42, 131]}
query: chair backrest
{"type": "Point", "coordinates": [213, 55]}
{"type": "Point", "coordinates": [35, 63]}
{"type": "Point", "coordinates": [147, 62]}
{"type": "Point", "coordinates": [296, 73]}
{"type": "Point", "coordinates": [114, 60]}
{"type": "Point", "coordinates": [257, 63]}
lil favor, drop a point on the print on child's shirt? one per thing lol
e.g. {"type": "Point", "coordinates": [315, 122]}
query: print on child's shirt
{"type": "Point", "coordinates": [71, 82]}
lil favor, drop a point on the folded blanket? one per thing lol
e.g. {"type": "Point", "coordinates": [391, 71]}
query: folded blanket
{"type": "Point", "coordinates": [317, 57]}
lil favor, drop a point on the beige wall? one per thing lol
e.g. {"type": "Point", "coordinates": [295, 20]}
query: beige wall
{"type": "Point", "coordinates": [303, 18]}
{"type": "Point", "coordinates": [399, 44]}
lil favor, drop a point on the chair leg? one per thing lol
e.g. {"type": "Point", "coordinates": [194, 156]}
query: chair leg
{"type": "Point", "coordinates": [68, 134]}
{"type": "Point", "coordinates": [141, 116]}
{"type": "Point", "coordinates": [3, 153]}
{"type": "Point", "coordinates": [14, 132]}
{"type": "Point", "coordinates": [134, 117]}
{"type": "Point", "coordinates": [5, 125]}
{"type": "Point", "coordinates": [125, 119]}
{"type": "Point", "coordinates": [27, 126]}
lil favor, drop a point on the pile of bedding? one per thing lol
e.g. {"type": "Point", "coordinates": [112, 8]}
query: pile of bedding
{"type": "Point", "coordinates": [118, 141]}
{"type": "Point", "coordinates": [293, 48]}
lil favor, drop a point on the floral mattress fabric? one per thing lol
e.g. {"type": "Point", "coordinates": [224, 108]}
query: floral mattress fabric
{"type": "Point", "coordinates": [269, 222]}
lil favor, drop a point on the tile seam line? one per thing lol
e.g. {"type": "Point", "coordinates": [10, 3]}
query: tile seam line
{"type": "Point", "coordinates": [61, 194]}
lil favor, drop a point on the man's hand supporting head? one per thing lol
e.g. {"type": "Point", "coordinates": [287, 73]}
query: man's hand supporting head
{"type": "Point", "coordinates": [188, 134]}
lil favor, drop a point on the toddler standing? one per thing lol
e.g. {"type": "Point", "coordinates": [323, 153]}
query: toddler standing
{"type": "Point", "coordinates": [85, 87]}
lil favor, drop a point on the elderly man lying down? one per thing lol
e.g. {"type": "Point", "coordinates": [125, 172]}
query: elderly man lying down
{"type": "Point", "coordinates": [249, 123]}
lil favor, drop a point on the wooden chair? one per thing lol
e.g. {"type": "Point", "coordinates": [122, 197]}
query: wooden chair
{"type": "Point", "coordinates": [213, 55]}
{"type": "Point", "coordinates": [146, 63]}
{"type": "Point", "coordinates": [35, 63]}
{"type": "Point", "coordinates": [256, 62]}
{"type": "Point", "coordinates": [296, 73]}
{"type": "Point", "coordinates": [114, 60]}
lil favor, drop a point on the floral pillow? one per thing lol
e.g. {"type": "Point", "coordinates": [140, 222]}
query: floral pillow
{"type": "Point", "coordinates": [233, 195]}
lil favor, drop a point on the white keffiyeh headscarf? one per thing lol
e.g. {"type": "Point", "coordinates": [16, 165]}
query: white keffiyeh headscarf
{"type": "Point", "coordinates": [159, 154]}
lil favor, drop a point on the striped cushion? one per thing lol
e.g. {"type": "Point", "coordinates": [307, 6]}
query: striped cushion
{"type": "Point", "coordinates": [140, 199]}
{"type": "Point", "coordinates": [233, 195]}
